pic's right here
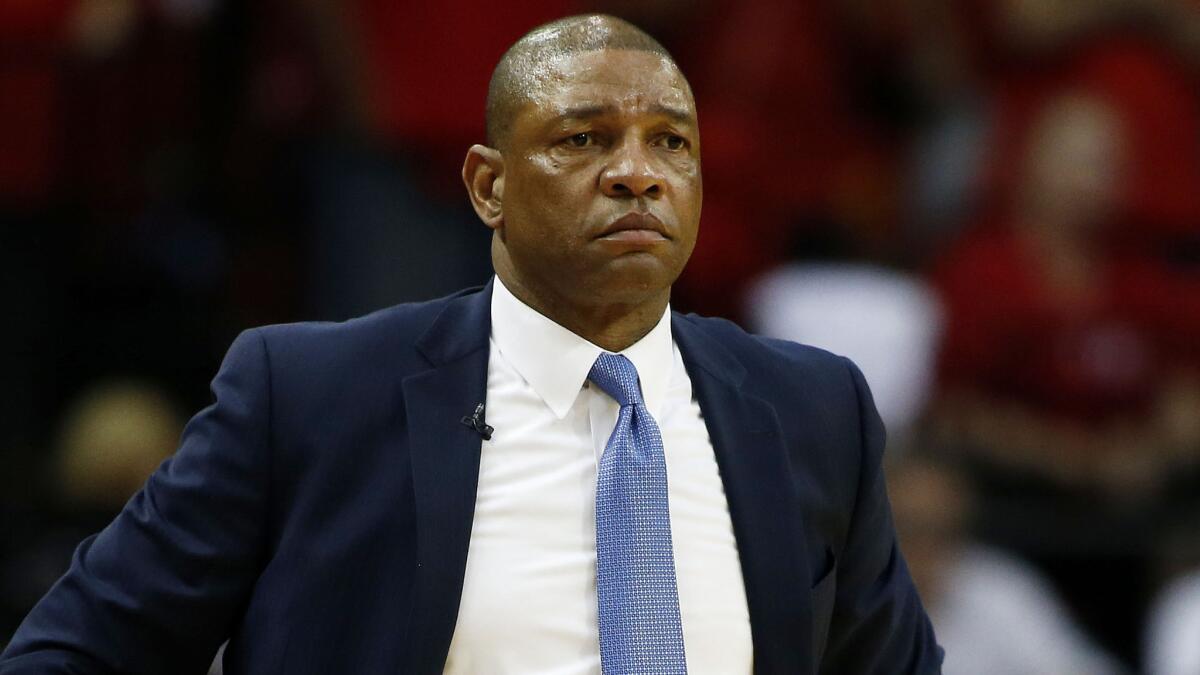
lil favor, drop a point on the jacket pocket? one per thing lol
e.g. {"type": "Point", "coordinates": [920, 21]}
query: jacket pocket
{"type": "Point", "coordinates": [822, 594]}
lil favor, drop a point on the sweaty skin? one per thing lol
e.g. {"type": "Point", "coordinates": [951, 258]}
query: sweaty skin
{"type": "Point", "coordinates": [595, 196]}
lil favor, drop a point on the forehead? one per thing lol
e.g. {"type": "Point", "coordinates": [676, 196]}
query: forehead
{"type": "Point", "coordinates": [628, 81]}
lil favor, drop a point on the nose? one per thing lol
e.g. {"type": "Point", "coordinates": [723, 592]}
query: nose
{"type": "Point", "coordinates": [632, 172]}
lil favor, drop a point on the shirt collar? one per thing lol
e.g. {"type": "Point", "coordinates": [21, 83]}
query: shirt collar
{"type": "Point", "coordinates": [556, 362]}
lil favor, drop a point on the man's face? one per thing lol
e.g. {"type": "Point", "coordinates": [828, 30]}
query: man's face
{"type": "Point", "coordinates": [602, 185]}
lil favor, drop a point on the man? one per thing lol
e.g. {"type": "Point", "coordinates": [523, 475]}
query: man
{"type": "Point", "coordinates": [479, 484]}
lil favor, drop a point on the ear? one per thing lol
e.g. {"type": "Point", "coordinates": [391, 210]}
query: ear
{"type": "Point", "coordinates": [483, 174]}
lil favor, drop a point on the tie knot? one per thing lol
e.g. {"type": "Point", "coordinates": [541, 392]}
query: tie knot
{"type": "Point", "coordinates": [618, 377]}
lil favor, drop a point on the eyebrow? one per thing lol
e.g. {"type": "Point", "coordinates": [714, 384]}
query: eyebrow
{"type": "Point", "coordinates": [585, 112]}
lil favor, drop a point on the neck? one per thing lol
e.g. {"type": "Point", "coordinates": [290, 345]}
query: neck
{"type": "Point", "coordinates": [610, 326]}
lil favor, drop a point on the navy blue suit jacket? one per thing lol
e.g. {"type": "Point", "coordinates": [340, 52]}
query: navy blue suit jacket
{"type": "Point", "coordinates": [318, 514]}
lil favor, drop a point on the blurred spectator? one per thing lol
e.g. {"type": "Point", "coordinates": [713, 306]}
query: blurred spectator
{"type": "Point", "coordinates": [1118, 51]}
{"type": "Point", "coordinates": [1172, 646]}
{"type": "Point", "coordinates": [982, 70]}
{"type": "Point", "coordinates": [982, 602]}
{"type": "Point", "coordinates": [1050, 360]}
{"type": "Point", "coordinates": [1169, 645]}
{"type": "Point", "coordinates": [109, 442]}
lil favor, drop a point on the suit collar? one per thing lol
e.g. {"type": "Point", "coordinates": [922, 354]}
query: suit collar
{"type": "Point", "coordinates": [461, 328]}
{"type": "Point", "coordinates": [556, 362]}
{"type": "Point", "coordinates": [704, 352]}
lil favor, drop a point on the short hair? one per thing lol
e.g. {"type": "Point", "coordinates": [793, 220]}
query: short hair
{"type": "Point", "coordinates": [524, 61]}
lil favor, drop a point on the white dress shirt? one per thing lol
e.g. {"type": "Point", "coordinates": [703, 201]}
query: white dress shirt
{"type": "Point", "coordinates": [529, 592]}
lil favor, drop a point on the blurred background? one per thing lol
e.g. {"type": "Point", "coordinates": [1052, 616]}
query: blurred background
{"type": "Point", "coordinates": [993, 206]}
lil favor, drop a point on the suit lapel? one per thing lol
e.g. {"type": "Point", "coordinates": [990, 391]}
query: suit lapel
{"type": "Point", "coordinates": [445, 469]}
{"type": "Point", "coordinates": [763, 503]}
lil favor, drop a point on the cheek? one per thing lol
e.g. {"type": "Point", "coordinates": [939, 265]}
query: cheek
{"type": "Point", "coordinates": [689, 188]}
{"type": "Point", "coordinates": [686, 171]}
{"type": "Point", "coordinates": [554, 183]}
{"type": "Point", "coordinates": [544, 164]}
{"type": "Point", "coordinates": [543, 217]}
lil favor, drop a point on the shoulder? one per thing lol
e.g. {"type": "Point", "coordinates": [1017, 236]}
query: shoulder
{"type": "Point", "coordinates": [774, 366]}
{"type": "Point", "coordinates": [387, 336]}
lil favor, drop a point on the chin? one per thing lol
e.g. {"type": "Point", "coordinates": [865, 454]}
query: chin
{"type": "Point", "coordinates": [634, 285]}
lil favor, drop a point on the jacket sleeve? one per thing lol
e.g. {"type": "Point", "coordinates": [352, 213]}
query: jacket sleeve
{"type": "Point", "coordinates": [878, 623]}
{"type": "Point", "coordinates": [158, 589]}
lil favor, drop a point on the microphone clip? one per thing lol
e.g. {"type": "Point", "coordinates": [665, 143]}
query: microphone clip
{"type": "Point", "coordinates": [475, 421]}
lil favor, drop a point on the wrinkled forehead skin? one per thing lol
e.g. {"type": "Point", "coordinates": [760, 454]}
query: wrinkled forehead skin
{"type": "Point", "coordinates": [644, 76]}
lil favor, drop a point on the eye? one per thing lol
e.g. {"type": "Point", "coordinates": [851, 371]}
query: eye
{"type": "Point", "coordinates": [674, 142]}
{"type": "Point", "coordinates": [581, 140]}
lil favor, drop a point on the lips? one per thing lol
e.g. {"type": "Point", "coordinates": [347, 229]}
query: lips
{"type": "Point", "coordinates": [636, 227]}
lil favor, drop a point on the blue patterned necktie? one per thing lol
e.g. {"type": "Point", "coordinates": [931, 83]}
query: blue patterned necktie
{"type": "Point", "coordinates": [640, 629]}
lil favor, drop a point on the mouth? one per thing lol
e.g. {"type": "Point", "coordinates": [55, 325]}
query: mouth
{"type": "Point", "coordinates": [636, 227]}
